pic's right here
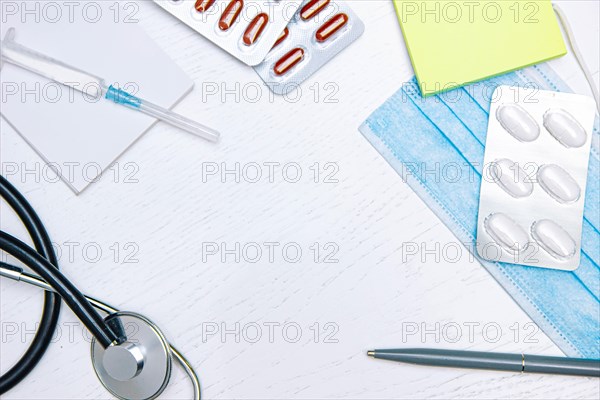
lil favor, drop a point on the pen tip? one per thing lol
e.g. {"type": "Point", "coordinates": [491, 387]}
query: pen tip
{"type": "Point", "coordinates": [371, 353]}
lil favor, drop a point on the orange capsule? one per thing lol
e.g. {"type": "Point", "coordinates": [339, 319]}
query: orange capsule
{"type": "Point", "coordinates": [288, 61]}
{"type": "Point", "coordinates": [330, 27]}
{"type": "Point", "coordinates": [281, 37]}
{"type": "Point", "coordinates": [203, 5]}
{"type": "Point", "coordinates": [230, 15]}
{"type": "Point", "coordinates": [255, 28]}
{"type": "Point", "coordinates": [312, 8]}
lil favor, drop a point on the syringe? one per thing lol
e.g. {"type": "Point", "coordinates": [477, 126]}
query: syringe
{"type": "Point", "coordinates": [92, 86]}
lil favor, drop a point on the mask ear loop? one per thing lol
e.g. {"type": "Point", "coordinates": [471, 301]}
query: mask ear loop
{"type": "Point", "coordinates": [564, 22]}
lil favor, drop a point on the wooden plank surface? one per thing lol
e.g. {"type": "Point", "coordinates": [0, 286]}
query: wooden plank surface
{"type": "Point", "coordinates": [275, 259]}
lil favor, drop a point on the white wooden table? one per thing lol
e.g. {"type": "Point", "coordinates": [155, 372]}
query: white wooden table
{"type": "Point", "coordinates": [157, 234]}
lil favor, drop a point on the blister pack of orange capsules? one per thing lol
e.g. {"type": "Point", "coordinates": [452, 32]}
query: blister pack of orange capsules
{"type": "Point", "coordinates": [318, 31]}
{"type": "Point", "coordinates": [247, 29]}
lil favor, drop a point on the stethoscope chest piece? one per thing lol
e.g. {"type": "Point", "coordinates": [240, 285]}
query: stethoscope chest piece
{"type": "Point", "coordinates": [139, 368]}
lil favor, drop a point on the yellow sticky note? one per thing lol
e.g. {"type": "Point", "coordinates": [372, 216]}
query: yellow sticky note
{"type": "Point", "coordinates": [453, 43]}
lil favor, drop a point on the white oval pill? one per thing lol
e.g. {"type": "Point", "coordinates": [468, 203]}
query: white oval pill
{"type": "Point", "coordinates": [564, 128]}
{"type": "Point", "coordinates": [558, 183]}
{"type": "Point", "coordinates": [553, 238]}
{"type": "Point", "coordinates": [506, 232]}
{"type": "Point", "coordinates": [516, 121]}
{"type": "Point", "coordinates": [510, 177]}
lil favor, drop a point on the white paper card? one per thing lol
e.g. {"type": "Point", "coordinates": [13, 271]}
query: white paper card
{"type": "Point", "coordinates": [66, 129]}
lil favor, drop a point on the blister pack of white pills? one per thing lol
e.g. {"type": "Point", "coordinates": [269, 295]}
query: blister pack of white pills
{"type": "Point", "coordinates": [247, 29]}
{"type": "Point", "coordinates": [319, 30]}
{"type": "Point", "coordinates": [534, 177]}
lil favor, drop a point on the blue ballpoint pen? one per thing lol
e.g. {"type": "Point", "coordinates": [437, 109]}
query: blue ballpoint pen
{"type": "Point", "coordinates": [495, 361]}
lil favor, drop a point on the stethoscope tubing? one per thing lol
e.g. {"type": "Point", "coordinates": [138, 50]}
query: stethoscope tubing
{"type": "Point", "coordinates": [57, 287]}
{"type": "Point", "coordinates": [52, 302]}
{"type": "Point", "coordinates": [61, 285]}
{"type": "Point", "coordinates": [17, 274]}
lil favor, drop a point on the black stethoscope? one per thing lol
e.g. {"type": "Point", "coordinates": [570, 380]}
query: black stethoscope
{"type": "Point", "coordinates": [131, 356]}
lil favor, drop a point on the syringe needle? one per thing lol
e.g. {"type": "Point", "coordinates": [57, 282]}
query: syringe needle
{"type": "Point", "coordinates": [55, 70]}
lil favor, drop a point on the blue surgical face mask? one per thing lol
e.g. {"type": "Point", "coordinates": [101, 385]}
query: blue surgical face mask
{"type": "Point", "coordinates": [419, 136]}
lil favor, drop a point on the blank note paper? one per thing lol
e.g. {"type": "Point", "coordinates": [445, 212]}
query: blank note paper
{"type": "Point", "coordinates": [453, 43]}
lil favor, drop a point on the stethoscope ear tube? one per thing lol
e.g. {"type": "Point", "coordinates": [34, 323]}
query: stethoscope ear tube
{"type": "Point", "coordinates": [52, 302]}
{"type": "Point", "coordinates": [109, 333]}
{"type": "Point", "coordinates": [17, 274]}
{"type": "Point", "coordinates": [69, 293]}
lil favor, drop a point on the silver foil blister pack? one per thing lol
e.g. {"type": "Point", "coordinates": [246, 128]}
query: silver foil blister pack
{"type": "Point", "coordinates": [247, 29]}
{"type": "Point", "coordinates": [534, 177]}
{"type": "Point", "coordinates": [319, 30]}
